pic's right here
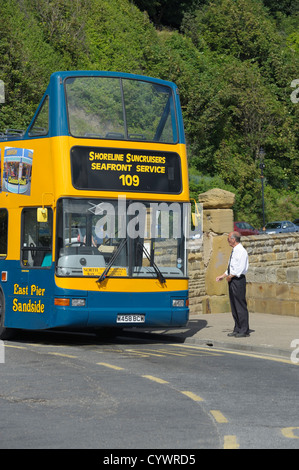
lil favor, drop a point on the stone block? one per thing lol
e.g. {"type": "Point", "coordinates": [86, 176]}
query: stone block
{"type": "Point", "coordinates": [294, 293]}
{"type": "Point", "coordinates": [282, 291]}
{"type": "Point", "coordinates": [216, 304]}
{"type": "Point", "coordinates": [271, 275]}
{"type": "Point", "coordinates": [259, 274]}
{"type": "Point", "coordinates": [218, 220]}
{"type": "Point", "coordinates": [281, 275]}
{"type": "Point", "coordinates": [217, 199]}
{"type": "Point", "coordinates": [274, 306]}
{"type": "Point", "coordinates": [259, 290]}
{"type": "Point", "coordinates": [219, 257]}
{"type": "Point", "coordinates": [261, 306]}
{"type": "Point", "coordinates": [251, 305]}
{"type": "Point", "coordinates": [288, 308]}
{"type": "Point", "coordinates": [292, 275]}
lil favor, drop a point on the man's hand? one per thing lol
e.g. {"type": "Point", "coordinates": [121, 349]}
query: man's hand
{"type": "Point", "coordinates": [224, 276]}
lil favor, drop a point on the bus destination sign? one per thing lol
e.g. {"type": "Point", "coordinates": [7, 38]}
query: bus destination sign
{"type": "Point", "coordinates": [115, 169]}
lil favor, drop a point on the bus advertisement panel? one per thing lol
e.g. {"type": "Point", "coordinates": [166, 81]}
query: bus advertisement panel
{"type": "Point", "coordinates": [17, 170]}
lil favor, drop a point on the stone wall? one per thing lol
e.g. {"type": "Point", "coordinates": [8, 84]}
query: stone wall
{"type": "Point", "coordinates": [273, 276]}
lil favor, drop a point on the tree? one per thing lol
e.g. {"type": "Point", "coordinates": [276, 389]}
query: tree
{"type": "Point", "coordinates": [286, 7]}
{"type": "Point", "coordinates": [167, 12]}
{"type": "Point", "coordinates": [233, 61]}
{"type": "Point", "coordinates": [242, 99]}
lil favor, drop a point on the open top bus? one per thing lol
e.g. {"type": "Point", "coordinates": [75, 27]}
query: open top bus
{"type": "Point", "coordinates": [94, 207]}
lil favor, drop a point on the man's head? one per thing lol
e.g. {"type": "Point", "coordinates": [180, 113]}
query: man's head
{"type": "Point", "coordinates": [234, 238]}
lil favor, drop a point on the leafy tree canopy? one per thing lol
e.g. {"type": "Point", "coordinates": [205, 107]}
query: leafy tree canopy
{"type": "Point", "coordinates": [233, 60]}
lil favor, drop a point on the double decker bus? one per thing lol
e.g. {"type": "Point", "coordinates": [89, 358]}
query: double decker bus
{"type": "Point", "coordinates": [92, 207]}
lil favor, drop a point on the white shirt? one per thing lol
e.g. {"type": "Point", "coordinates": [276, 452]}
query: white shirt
{"type": "Point", "coordinates": [239, 261]}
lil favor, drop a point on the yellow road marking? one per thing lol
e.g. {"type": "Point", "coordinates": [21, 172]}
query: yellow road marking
{"type": "Point", "coordinates": [219, 417]}
{"type": "Point", "coordinates": [192, 395]}
{"type": "Point", "coordinates": [171, 353]}
{"type": "Point", "coordinates": [289, 432]}
{"type": "Point", "coordinates": [155, 379]}
{"type": "Point", "coordinates": [230, 442]}
{"type": "Point", "coordinates": [12, 346]}
{"type": "Point", "coordinates": [62, 355]}
{"type": "Point", "coordinates": [141, 352]}
{"type": "Point", "coordinates": [237, 353]}
{"type": "Point", "coordinates": [111, 366]}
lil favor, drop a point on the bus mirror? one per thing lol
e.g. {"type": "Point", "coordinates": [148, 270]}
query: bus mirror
{"type": "Point", "coordinates": [42, 214]}
{"type": "Point", "coordinates": [195, 219]}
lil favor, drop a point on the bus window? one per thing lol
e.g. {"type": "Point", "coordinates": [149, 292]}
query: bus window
{"type": "Point", "coordinates": [149, 112]}
{"type": "Point", "coordinates": [3, 232]}
{"type": "Point", "coordinates": [36, 240]}
{"type": "Point", "coordinates": [41, 123]}
{"type": "Point", "coordinates": [121, 109]}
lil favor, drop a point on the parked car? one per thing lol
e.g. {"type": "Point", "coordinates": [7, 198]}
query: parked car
{"type": "Point", "coordinates": [244, 228]}
{"type": "Point", "coordinates": [296, 222]}
{"type": "Point", "coordinates": [281, 226]}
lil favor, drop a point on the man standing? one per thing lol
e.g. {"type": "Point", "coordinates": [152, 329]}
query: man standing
{"type": "Point", "coordinates": [235, 276]}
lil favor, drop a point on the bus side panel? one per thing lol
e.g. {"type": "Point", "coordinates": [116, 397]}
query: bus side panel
{"type": "Point", "coordinates": [28, 296]}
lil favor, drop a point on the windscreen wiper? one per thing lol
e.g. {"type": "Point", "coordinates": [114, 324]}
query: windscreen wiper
{"type": "Point", "coordinates": [111, 262]}
{"type": "Point", "coordinates": [152, 263]}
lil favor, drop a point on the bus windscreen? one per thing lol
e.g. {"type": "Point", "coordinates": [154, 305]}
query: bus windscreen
{"type": "Point", "coordinates": [121, 109]}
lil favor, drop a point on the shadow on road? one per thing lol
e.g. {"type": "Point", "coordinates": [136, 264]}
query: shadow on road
{"type": "Point", "coordinates": [110, 335]}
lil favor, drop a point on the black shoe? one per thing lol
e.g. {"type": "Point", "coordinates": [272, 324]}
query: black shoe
{"type": "Point", "coordinates": [233, 333]}
{"type": "Point", "coordinates": [242, 335]}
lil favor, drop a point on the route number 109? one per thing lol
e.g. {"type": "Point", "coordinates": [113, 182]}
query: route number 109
{"type": "Point", "coordinates": [129, 180]}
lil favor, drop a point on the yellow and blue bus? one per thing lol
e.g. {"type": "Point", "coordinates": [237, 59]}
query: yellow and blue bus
{"type": "Point", "coordinates": [92, 207]}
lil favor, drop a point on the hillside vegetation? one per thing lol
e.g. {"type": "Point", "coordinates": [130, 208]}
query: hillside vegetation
{"type": "Point", "coordinates": [234, 62]}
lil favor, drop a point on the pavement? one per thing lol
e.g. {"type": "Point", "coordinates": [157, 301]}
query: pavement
{"type": "Point", "coordinates": [269, 334]}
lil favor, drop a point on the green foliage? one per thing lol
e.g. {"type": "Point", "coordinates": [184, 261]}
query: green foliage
{"type": "Point", "coordinates": [166, 12]}
{"type": "Point", "coordinates": [243, 101]}
{"type": "Point", "coordinates": [233, 61]}
{"type": "Point", "coordinates": [238, 28]}
{"type": "Point", "coordinates": [281, 204]}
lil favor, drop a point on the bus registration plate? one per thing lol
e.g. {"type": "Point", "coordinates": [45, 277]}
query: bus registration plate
{"type": "Point", "coordinates": [132, 318]}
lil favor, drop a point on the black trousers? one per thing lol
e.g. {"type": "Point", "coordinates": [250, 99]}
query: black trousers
{"type": "Point", "coordinates": [237, 297]}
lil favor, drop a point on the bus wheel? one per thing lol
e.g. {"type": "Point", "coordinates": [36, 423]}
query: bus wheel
{"type": "Point", "coordinates": [5, 333]}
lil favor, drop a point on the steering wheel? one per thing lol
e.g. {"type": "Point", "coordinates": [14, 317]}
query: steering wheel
{"type": "Point", "coordinates": [76, 244]}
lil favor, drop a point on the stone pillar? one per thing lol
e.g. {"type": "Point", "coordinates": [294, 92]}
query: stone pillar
{"type": "Point", "coordinates": [217, 223]}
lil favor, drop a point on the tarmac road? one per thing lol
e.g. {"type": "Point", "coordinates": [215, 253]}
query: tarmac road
{"type": "Point", "coordinates": [162, 390]}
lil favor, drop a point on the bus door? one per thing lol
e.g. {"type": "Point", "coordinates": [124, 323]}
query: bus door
{"type": "Point", "coordinates": [33, 293]}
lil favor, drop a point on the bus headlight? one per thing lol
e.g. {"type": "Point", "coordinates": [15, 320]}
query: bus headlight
{"type": "Point", "coordinates": [78, 302]}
